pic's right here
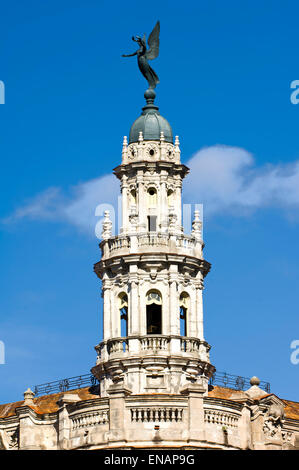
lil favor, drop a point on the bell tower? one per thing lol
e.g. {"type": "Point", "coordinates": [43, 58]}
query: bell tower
{"type": "Point", "coordinates": [152, 273]}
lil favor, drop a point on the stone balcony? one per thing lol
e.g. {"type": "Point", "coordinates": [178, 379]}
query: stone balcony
{"type": "Point", "coordinates": [156, 242]}
{"type": "Point", "coordinates": [162, 345]}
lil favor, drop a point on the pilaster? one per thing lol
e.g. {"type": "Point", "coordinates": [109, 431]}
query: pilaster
{"type": "Point", "coordinates": [64, 422]}
{"type": "Point", "coordinates": [117, 414]}
{"type": "Point", "coordinates": [195, 393]}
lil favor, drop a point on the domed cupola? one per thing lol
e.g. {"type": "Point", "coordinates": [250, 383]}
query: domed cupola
{"type": "Point", "coordinates": [150, 123]}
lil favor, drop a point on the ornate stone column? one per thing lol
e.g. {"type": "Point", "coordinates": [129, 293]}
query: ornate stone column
{"type": "Point", "coordinates": [173, 308]}
{"type": "Point", "coordinates": [106, 310]}
{"type": "Point", "coordinates": [163, 205]}
{"type": "Point", "coordinates": [199, 312]}
{"type": "Point", "coordinates": [125, 208]}
{"type": "Point", "coordinates": [141, 204]}
{"type": "Point", "coordinates": [192, 328]}
{"type": "Point", "coordinates": [178, 204]}
{"type": "Point", "coordinates": [174, 314]}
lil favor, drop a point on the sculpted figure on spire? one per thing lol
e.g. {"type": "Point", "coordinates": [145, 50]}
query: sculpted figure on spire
{"type": "Point", "coordinates": [144, 54]}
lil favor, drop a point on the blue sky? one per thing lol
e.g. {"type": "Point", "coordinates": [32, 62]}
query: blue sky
{"type": "Point", "coordinates": [225, 71]}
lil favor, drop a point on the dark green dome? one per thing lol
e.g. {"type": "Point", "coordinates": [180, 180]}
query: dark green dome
{"type": "Point", "coordinates": [150, 123]}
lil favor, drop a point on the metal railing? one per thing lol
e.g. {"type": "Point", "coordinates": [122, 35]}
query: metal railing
{"type": "Point", "coordinates": [72, 383]}
{"type": "Point", "coordinates": [223, 379]}
{"type": "Point", "coordinates": [235, 381]}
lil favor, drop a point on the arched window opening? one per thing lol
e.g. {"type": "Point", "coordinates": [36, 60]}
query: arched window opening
{"type": "Point", "coordinates": [184, 306]}
{"type": "Point", "coordinates": [170, 197]}
{"type": "Point", "coordinates": [133, 197]}
{"type": "Point", "coordinates": [152, 197]}
{"type": "Point", "coordinates": [153, 313]}
{"type": "Point", "coordinates": [123, 310]}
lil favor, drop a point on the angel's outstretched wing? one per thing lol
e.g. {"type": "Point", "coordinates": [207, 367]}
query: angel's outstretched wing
{"type": "Point", "coordinates": [153, 43]}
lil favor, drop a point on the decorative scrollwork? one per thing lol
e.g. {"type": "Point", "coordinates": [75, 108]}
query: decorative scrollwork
{"type": "Point", "coordinates": [132, 152]}
{"type": "Point", "coordinates": [170, 152]}
{"type": "Point", "coordinates": [151, 150]}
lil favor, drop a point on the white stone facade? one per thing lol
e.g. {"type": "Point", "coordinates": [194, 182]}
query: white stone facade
{"type": "Point", "coordinates": [191, 419]}
{"type": "Point", "coordinates": [152, 269]}
{"type": "Point", "coordinates": [153, 363]}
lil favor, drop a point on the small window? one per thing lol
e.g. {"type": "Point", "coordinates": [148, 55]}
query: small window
{"type": "Point", "coordinates": [123, 310]}
{"type": "Point", "coordinates": [184, 306]}
{"type": "Point", "coordinates": [152, 223]}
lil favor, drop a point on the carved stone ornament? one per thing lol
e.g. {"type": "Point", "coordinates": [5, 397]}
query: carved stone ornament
{"type": "Point", "coordinates": [151, 150]}
{"type": "Point", "coordinates": [170, 152]}
{"type": "Point", "coordinates": [132, 151]}
{"type": "Point", "coordinates": [273, 420]}
{"type": "Point", "coordinates": [287, 436]}
{"type": "Point", "coordinates": [117, 374]}
{"type": "Point", "coordinates": [172, 218]}
{"type": "Point", "coordinates": [133, 217]}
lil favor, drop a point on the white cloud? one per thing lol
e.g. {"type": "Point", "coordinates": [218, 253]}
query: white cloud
{"type": "Point", "coordinates": [77, 207]}
{"type": "Point", "coordinates": [80, 210]}
{"type": "Point", "coordinates": [225, 179]}
{"type": "Point", "coordinates": [45, 205]}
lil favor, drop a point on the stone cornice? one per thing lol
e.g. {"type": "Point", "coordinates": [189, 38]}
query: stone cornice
{"type": "Point", "coordinates": [28, 412]}
{"type": "Point", "coordinates": [133, 167]}
{"type": "Point", "coordinates": [157, 257]}
{"type": "Point", "coordinates": [224, 402]}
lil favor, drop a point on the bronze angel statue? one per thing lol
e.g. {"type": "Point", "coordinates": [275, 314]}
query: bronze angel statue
{"type": "Point", "coordinates": [144, 54]}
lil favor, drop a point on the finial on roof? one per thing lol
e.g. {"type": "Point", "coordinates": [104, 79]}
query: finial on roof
{"type": "Point", "coordinates": [28, 397]}
{"type": "Point", "coordinates": [125, 148]}
{"type": "Point", "coordinates": [255, 381]}
{"type": "Point", "coordinates": [106, 226]}
{"type": "Point", "coordinates": [196, 225]}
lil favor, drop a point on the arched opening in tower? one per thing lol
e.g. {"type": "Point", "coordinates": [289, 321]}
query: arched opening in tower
{"type": "Point", "coordinates": [183, 321]}
{"type": "Point", "coordinates": [154, 319]}
{"type": "Point", "coordinates": [184, 312]}
{"type": "Point", "coordinates": [123, 310]}
{"type": "Point", "coordinates": [153, 313]}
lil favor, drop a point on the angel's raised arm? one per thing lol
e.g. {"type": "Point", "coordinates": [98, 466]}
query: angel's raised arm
{"type": "Point", "coordinates": [129, 55]}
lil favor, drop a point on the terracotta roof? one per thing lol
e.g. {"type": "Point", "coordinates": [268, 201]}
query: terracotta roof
{"type": "Point", "coordinates": [225, 392]}
{"type": "Point", "coordinates": [45, 403]}
{"type": "Point", "coordinates": [222, 392]}
{"type": "Point", "coordinates": [9, 409]}
{"type": "Point", "coordinates": [48, 403]}
{"type": "Point", "coordinates": [292, 409]}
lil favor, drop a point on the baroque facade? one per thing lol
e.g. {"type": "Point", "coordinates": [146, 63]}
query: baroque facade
{"type": "Point", "coordinates": [153, 365]}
